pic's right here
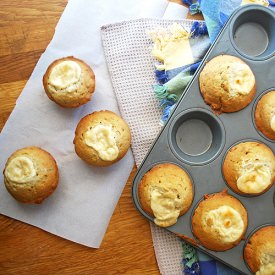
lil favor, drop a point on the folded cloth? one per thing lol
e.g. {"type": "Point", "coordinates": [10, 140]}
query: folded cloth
{"type": "Point", "coordinates": [216, 12]}
{"type": "Point", "coordinates": [179, 52]}
{"type": "Point", "coordinates": [131, 66]}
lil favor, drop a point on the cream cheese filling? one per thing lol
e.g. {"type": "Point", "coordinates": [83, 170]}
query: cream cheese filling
{"type": "Point", "coordinates": [103, 139]}
{"type": "Point", "coordinates": [65, 76]}
{"type": "Point", "coordinates": [20, 170]}
{"type": "Point", "coordinates": [166, 205]}
{"type": "Point", "coordinates": [254, 178]}
{"type": "Point", "coordinates": [267, 266]}
{"type": "Point", "coordinates": [240, 79]}
{"type": "Point", "coordinates": [225, 221]}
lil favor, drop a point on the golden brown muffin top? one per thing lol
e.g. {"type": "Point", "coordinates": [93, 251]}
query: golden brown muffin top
{"type": "Point", "coordinates": [227, 83]}
{"type": "Point", "coordinates": [69, 82]}
{"type": "Point", "coordinates": [265, 115]}
{"type": "Point", "coordinates": [166, 193]}
{"type": "Point", "coordinates": [102, 138]}
{"type": "Point", "coordinates": [259, 252]}
{"type": "Point", "coordinates": [31, 174]}
{"type": "Point", "coordinates": [220, 221]}
{"type": "Point", "coordinates": [249, 167]}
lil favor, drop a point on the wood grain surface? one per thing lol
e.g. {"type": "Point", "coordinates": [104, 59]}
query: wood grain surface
{"type": "Point", "coordinates": [26, 28]}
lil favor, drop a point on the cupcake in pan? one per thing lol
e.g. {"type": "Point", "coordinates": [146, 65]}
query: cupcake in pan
{"type": "Point", "coordinates": [259, 252]}
{"type": "Point", "coordinates": [31, 175]}
{"type": "Point", "coordinates": [265, 115]}
{"type": "Point", "coordinates": [219, 222]}
{"type": "Point", "coordinates": [165, 192]}
{"type": "Point", "coordinates": [69, 82]}
{"type": "Point", "coordinates": [102, 138]}
{"type": "Point", "coordinates": [249, 168]}
{"type": "Point", "coordinates": [227, 84]}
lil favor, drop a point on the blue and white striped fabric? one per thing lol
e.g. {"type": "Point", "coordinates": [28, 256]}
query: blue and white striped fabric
{"type": "Point", "coordinates": [172, 83]}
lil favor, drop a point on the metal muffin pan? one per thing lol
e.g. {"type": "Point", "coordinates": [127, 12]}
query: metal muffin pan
{"type": "Point", "coordinates": [213, 135]}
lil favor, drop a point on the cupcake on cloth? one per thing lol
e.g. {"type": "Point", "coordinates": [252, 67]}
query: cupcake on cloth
{"type": "Point", "coordinates": [31, 175]}
{"type": "Point", "coordinates": [165, 192]}
{"type": "Point", "coordinates": [69, 82]}
{"type": "Point", "coordinates": [265, 115]}
{"type": "Point", "coordinates": [249, 168]}
{"type": "Point", "coordinates": [219, 222]}
{"type": "Point", "coordinates": [259, 252]}
{"type": "Point", "coordinates": [102, 138]}
{"type": "Point", "coordinates": [227, 84]}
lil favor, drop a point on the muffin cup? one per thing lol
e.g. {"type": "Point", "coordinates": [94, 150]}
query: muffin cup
{"type": "Point", "coordinates": [196, 136]}
{"type": "Point", "coordinates": [138, 178]}
{"type": "Point", "coordinates": [193, 212]}
{"type": "Point", "coordinates": [248, 238]}
{"type": "Point", "coordinates": [239, 193]}
{"type": "Point", "coordinates": [251, 32]}
{"type": "Point", "coordinates": [254, 110]}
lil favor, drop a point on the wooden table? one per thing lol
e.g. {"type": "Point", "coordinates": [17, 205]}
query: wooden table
{"type": "Point", "coordinates": [26, 28]}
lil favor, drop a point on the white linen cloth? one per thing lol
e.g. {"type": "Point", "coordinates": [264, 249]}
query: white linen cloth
{"type": "Point", "coordinates": [131, 66]}
{"type": "Point", "coordinates": [81, 207]}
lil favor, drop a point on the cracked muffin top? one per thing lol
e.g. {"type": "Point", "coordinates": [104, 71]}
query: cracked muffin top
{"type": "Point", "coordinates": [249, 168]}
{"type": "Point", "coordinates": [227, 84]}
{"type": "Point", "coordinates": [166, 192]}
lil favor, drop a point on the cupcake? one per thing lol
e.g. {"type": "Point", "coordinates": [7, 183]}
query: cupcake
{"type": "Point", "coordinates": [249, 168]}
{"type": "Point", "coordinates": [102, 138]}
{"type": "Point", "coordinates": [69, 82]}
{"type": "Point", "coordinates": [227, 84]}
{"type": "Point", "coordinates": [31, 175]}
{"type": "Point", "coordinates": [265, 115]}
{"type": "Point", "coordinates": [259, 253]}
{"type": "Point", "coordinates": [219, 222]}
{"type": "Point", "coordinates": [166, 193]}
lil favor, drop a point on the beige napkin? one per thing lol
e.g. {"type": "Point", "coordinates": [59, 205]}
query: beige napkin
{"type": "Point", "coordinates": [127, 50]}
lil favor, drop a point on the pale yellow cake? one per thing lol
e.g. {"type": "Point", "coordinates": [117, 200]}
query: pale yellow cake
{"type": "Point", "coordinates": [227, 84]}
{"type": "Point", "coordinates": [31, 175]}
{"type": "Point", "coordinates": [69, 82]}
{"type": "Point", "coordinates": [102, 138]}
{"type": "Point", "coordinates": [219, 222]}
{"type": "Point", "coordinates": [259, 253]}
{"type": "Point", "coordinates": [166, 192]}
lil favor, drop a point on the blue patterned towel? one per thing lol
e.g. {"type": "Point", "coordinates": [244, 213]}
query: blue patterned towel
{"type": "Point", "coordinates": [216, 12]}
{"type": "Point", "coordinates": [179, 52]}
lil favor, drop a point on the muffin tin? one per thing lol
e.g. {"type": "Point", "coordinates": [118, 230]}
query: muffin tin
{"type": "Point", "coordinates": [197, 139]}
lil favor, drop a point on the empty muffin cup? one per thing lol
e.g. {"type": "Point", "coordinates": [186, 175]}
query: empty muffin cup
{"type": "Point", "coordinates": [196, 136]}
{"type": "Point", "coordinates": [252, 34]}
